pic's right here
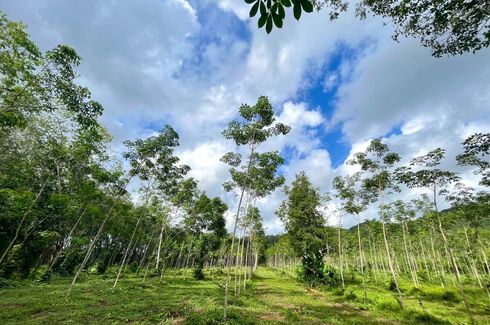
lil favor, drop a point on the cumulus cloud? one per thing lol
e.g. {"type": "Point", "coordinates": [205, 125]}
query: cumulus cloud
{"type": "Point", "coordinates": [192, 63]}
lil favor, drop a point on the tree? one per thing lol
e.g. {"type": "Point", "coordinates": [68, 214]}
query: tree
{"type": "Point", "coordinates": [258, 174]}
{"type": "Point", "coordinates": [151, 158]}
{"type": "Point", "coordinates": [32, 82]}
{"type": "Point", "coordinates": [354, 200]}
{"type": "Point", "coordinates": [377, 160]}
{"type": "Point", "coordinates": [427, 175]}
{"type": "Point", "coordinates": [303, 223]}
{"type": "Point", "coordinates": [475, 148]}
{"type": "Point", "coordinates": [447, 27]}
{"type": "Point", "coordinates": [206, 222]}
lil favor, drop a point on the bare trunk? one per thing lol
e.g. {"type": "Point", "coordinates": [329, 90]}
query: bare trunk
{"type": "Point", "coordinates": [390, 262]}
{"type": "Point", "coordinates": [160, 238]}
{"type": "Point", "coordinates": [87, 255]}
{"type": "Point", "coordinates": [126, 252]}
{"type": "Point", "coordinates": [452, 259]}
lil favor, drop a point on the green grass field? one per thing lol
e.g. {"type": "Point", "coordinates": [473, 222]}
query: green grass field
{"type": "Point", "coordinates": [272, 298]}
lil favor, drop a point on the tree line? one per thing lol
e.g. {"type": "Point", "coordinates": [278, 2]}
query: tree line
{"type": "Point", "coordinates": [64, 203]}
{"type": "Point", "coordinates": [65, 208]}
{"type": "Point", "coordinates": [409, 238]}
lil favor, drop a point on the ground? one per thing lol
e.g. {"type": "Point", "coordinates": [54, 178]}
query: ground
{"type": "Point", "coordinates": [272, 298]}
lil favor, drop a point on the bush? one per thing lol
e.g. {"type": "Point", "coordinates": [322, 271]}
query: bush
{"type": "Point", "coordinates": [6, 283]}
{"type": "Point", "coordinates": [392, 286]}
{"type": "Point", "coordinates": [311, 271]}
{"type": "Point", "coordinates": [314, 272]}
{"type": "Point", "coordinates": [351, 295]}
{"type": "Point", "coordinates": [332, 276]}
{"type": "Point", "coordinates": [449, 296]}
{"type": "Point", "coordinates": [198, 274]}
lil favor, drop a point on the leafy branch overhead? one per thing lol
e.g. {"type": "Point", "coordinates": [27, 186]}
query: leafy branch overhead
{"type": "Point", "coordinates": [273, 12]}
{"type": "Point", "coordinates": [447, 27]}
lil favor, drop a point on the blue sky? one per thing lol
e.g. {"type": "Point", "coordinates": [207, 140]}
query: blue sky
{"type": "Point", "coordinates": [338, 84]}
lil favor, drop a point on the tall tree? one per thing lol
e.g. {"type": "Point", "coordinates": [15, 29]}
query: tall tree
{"type": "Point", "coordinates": [206, 222]}
{"type": "Point", "coordinates": [304, 225]}
{"type": "Point", "coordinates": [33, 82]}
{"type": "Point", "coordinates": [424, 173]}
{"type": "Point", "coordinates": [258, 174]}
{"type": "Point", "coordinates": [377, 161]}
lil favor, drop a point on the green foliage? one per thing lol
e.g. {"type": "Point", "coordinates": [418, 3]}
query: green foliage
{"type": "Point", "coordinates": [448, 27]}
{"type": "Point", "coordinates": [258, 175]}
{"type": "Point", "coordinates": [331, 276]}
{"type": "Point", "coordinates": [311, 271]}
{"type": "Point", "coordinates": [32, 82]}
{"type": "Point", "coordinates": [299, 213]}
{"type": "Point", "coordinates": [273, 12]}
{"type": "Point", "coordinates": [475, 148]}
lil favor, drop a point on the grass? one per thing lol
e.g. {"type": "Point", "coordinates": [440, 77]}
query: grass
{"type": "Point", "coordinates": [272, 298]}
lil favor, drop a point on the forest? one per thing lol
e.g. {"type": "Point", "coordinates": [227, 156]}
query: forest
{"type": "Point", "coordinates": [77, 246]}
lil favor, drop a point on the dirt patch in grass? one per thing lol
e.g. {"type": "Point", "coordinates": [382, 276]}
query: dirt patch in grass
{"type": "Point", "coordinates": [272, 316]}
{"type": "Point", "coordinates": [178, 321]}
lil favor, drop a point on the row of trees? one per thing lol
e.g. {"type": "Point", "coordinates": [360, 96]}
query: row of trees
{"type": "Point", "coordinates": [64, 203]}
{"type": "Point", "coordinates": [410, 237]}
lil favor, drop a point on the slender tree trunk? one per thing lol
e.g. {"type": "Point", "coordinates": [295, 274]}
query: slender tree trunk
{"type": "Point", "coordinates": [87, 255]}
{"type": "Point", "coordinates": [237, 264]}
{"type": "Point", "coordinates": [411, 256]}
{"type": "Point", "coordinates": [228, 263]}
{"type": "Point", "coordinates": [340, 254]}
{"type": "Point", "coordinates": [388, 253]}
{"type": "Point", "coordinates": [424, 258]}
{"type": "Point", "coordinates": [160, 238]}
{"type": "Point", "coordinates": [407, 256]}
{"type": "Point", "coordinates": [126, 252]}
{"type": "Point", "coordinates": [246, 264]}
{"type": "Point", "coordinates": [452, 259]}
{"type": "Point", "coordinates": [361, 257]}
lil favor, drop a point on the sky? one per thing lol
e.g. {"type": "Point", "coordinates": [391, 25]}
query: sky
{"type": "Point", "coordinates": [191, 63]}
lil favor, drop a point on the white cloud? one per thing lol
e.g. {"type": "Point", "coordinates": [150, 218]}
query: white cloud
{"type": "Point", "coordinates": [152, 62]}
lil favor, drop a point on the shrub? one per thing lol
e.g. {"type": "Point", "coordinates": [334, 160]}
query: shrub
{"type": "Point", "coordinates": [351, 295]}
{"type": "Point", "coordinates": [392, 286]}
{"type": "Point", "coordinates": [198, 274]}
{"type": "Point", "coordinates": [311, 271]}
{"type": "Point", "coordinates": [449, 296]}
{"type": "Point", "coordinates": [332, 276]}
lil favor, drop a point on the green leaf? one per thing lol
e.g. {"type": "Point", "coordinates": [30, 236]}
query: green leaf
{"type": "Point", "coordinates": [262, 20]}
{"type": "Point", "coordinates": [277, 21]}
{"type": "Point", "coordinates": [263, 9]}
{"type": "Point", "coordinates": [297, 11]}
{"type": "Point", "coordinates": [274, 8]}
{"type": "Point", "coordinates": [281, 12]}
{"type": "Point", "coordinates": [286, 3]}
{"type": "Point", "coordinates": [268, 26]}
{"type": "Point", "coordinates": [251, 1]}
{"type": "Point", "coordinates": [307, 5]}
{"type": "Point", "coordinates": [254, 9]}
